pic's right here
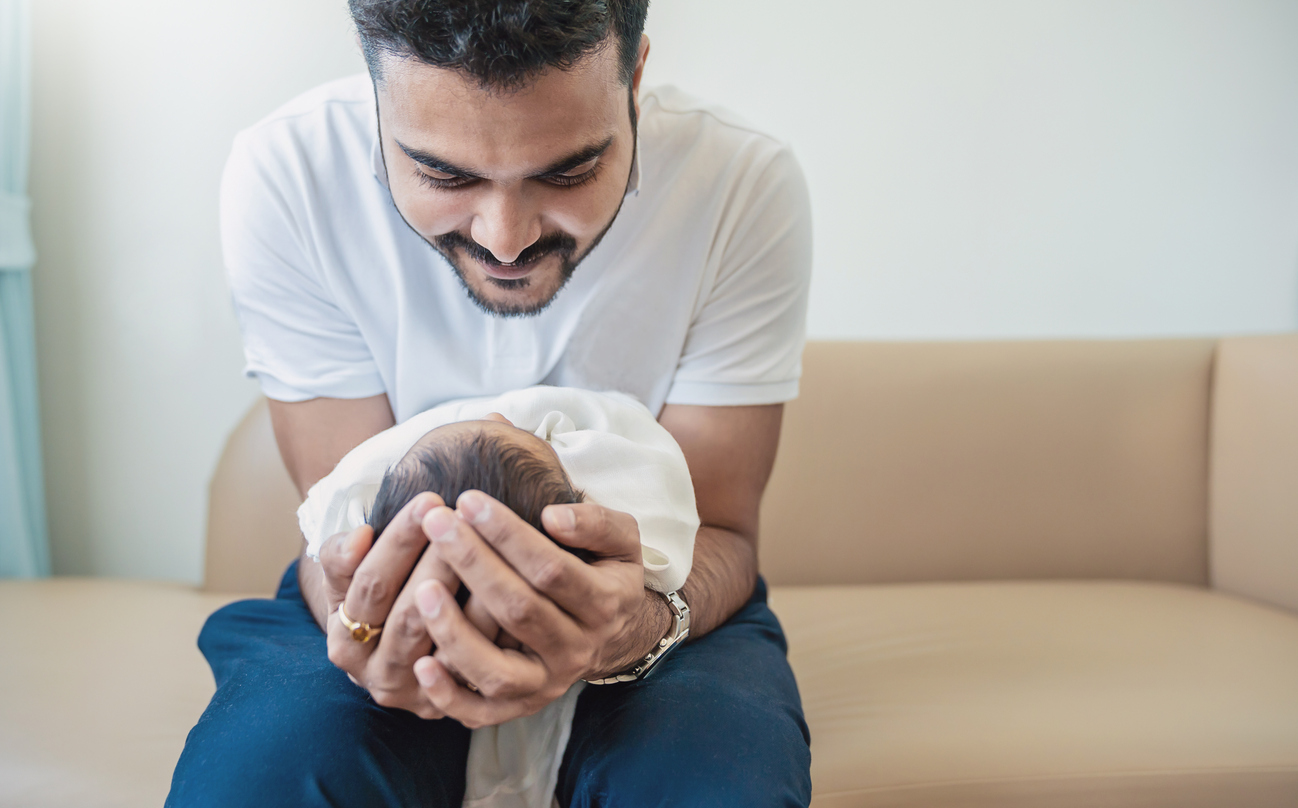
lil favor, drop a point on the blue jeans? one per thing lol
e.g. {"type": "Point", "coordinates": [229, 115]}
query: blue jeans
{"type": "Point", "coordinates": [719, 724]}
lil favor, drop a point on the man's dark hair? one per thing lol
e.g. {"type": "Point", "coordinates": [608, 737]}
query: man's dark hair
{"type": "Point", "coordinates": [501, 43]}
{"type": "Point", "coordinates": [520, 478]}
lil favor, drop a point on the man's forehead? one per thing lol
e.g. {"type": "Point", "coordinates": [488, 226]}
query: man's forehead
{"type": "Point", "coordinates": [449, 114]}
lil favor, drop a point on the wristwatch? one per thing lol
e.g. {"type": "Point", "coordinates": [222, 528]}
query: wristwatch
{"type": "Point", "coordinates": [679, 631]}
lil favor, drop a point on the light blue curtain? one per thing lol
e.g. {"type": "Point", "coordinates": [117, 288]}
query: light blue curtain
{"type": "Point", "coordinates": [24, 549]}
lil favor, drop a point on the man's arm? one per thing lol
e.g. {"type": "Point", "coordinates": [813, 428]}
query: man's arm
{"type": "Point", "coordinates": [730, 451]}
{"type": "Point", "coordinates": [314, 435]}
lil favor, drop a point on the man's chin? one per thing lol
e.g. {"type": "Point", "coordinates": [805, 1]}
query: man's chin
{"type": "Point", "coordinates": [510, 302]}
{"type": "Point", "coordinates": [522, 296]}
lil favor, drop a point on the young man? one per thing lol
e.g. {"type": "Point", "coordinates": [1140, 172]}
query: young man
{"type": "Point", "coordinates": [500, 206]}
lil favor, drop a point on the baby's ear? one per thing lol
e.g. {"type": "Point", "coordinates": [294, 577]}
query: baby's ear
{"type": "Point", "coordinates": [495, 416]}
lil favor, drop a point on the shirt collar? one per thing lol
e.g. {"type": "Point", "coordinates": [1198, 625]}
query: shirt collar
{"type": "Point", "coordinates": [376, 161]}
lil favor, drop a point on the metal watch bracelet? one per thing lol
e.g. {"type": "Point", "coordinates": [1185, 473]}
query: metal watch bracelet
{"type": "Point", "coordinates": [679, 631]}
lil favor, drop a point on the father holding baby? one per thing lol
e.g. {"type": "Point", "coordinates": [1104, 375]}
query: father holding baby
{"type": "Point", "coordinates": [499, 205]}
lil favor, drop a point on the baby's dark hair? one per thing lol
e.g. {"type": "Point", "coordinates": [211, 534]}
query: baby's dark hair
{"type": "Point", "coordinates": [519, 478]}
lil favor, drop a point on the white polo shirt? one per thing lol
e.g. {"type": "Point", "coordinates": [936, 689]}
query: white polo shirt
{"type": "Point", "coordinates": [696, 295]}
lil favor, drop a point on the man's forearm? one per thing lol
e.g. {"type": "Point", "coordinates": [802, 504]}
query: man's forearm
{"type": "Point", "coordinates": [721, 581]}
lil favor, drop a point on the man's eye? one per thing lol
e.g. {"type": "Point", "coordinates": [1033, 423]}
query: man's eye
{"type": "Point", "coordinates": [581, 170]}
{"type": "Point", "coordinates": [433, 180]}
{"type": "Point", "coordinates": [581, 174]}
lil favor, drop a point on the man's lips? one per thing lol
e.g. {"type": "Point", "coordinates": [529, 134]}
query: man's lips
{"type": "Point", "coordinates": [509, 272]}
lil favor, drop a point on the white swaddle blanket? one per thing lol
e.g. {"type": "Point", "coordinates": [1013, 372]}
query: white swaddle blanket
{"type": "Point", "coordinates": [616, 452]}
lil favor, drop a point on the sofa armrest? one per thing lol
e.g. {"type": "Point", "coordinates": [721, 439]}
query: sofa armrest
{"type": "Point", "coordinates": [1253, 493]}
{"type": "Point", "coordinates": [252, 531]}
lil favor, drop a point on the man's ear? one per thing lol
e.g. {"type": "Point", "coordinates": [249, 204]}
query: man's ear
{"type": "Point", "coordinates": [641, 58]}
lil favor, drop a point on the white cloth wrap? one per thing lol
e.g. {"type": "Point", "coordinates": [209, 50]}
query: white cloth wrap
{"type": "Point", "coordinates": [617, 453]}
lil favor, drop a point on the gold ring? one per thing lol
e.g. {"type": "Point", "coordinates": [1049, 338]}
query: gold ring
{"type": "Point", "coordinates": [361, 632]}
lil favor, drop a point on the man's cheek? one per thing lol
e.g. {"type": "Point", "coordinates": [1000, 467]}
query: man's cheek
{"type": "Point", "coordinates": [582, 216]}
{"type": "Point", "coordinates": [427, 215]}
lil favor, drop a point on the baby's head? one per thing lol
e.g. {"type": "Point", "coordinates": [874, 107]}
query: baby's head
{"type": "Point", "coordinates": [493, 456]}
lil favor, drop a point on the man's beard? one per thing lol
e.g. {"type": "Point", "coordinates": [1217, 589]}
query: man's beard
{"type": "Point", "coordinates": [558, 244]}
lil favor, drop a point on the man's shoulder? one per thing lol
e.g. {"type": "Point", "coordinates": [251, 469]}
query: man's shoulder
{"type": "Point", "coordinates": [681, 125]}
{"type": "Point", "coordinates": [698, 153]}
{"type": "Point", "coordinates": [679, 108]}
{"type": "Point", "coordinates": [350, 96]}
{"type": "Point", "coordinates": [331, 121]}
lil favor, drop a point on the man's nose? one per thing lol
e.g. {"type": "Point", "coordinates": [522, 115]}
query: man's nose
{"type": "Point", "coordinates": [506, 224]}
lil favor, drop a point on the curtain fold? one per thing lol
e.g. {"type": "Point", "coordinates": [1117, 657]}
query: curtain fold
{"type": "Point", "coordinates": [24, 548]}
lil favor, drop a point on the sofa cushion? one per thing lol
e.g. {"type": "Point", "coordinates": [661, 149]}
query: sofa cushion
{"type": "Point", "coordinates": [102, 681]}
{"type": "Point", "coordinates": [1044, 694]}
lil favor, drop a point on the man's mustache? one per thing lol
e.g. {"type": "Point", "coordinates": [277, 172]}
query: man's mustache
{"type": "Point", "coordinates": [549, 244]}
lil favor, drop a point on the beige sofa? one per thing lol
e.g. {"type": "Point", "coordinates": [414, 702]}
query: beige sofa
{"type": "Point", "coordinates": [1011, 574]}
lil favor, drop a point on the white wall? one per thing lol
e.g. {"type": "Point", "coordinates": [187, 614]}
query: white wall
{"type": "Point", "coordinates": [978, 169]}
{"type": "Point", "coordinates": [1023, 168]}
{"type": "Point", "coordinates": [135, 105]}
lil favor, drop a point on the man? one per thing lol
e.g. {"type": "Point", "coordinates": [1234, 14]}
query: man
{"type": "Point", "coordinates": [498, 206]}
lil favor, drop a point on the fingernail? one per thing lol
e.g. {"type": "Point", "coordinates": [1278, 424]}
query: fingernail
{"type": "Point", "coordinates": [425, 674]}
{"type": "Point", "coordinates": [440, 524]}
{"type": "Point", "coordinates": [565, 519]}
{"type": "Point", "coordinates": [422, 507]}
{"type": "Point", "coordinates": [474, 507]}
{"type": "Point", "coordinates": [429, 599]}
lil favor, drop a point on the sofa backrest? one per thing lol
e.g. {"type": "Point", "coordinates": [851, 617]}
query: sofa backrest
{"type": "Point", "coordinates": [958, 461]}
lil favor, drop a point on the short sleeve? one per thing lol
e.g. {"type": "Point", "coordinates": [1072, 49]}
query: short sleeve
{"type": "Point", "coordinates": [298, 342]}
{"type": "Point", "coordinates": [745, 344]}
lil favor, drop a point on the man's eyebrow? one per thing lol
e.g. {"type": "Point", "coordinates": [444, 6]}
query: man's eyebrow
{"type": "Point", "coordinates": [436, 163]}
{"type": "Point", "coordinates": [565, 164]}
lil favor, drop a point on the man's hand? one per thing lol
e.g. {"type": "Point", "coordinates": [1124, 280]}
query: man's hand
{"type": "Point", "coordinates": [574, 620]}
{"type": "Point", "coordinates": [369, 575]}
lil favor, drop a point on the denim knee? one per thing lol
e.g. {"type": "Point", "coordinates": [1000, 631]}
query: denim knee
{"type": "Point", "coordinates": [720, 724]}
{"type": "Point", "coordinates": [286, 727]}
{"type": "Point", "coordinates": [726, 749]}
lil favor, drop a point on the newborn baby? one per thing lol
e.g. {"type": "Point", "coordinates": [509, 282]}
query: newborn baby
{"type": "Point", "coordinates": [528, 448]}
{"type": "Point", "coordinates": [493, 456]}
